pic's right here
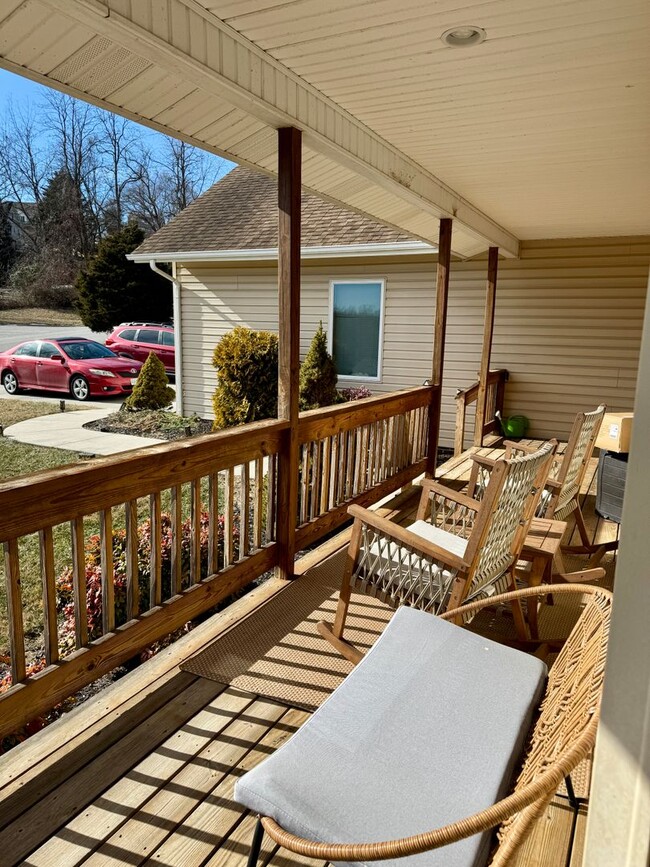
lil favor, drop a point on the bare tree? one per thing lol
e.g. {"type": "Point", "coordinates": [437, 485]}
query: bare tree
{"type": "Point", "coordinates": [170, 180]}
{"type": "Point", "coordinates": [26, 164]}
{"type": "Point", "coordinates": [119, 144]}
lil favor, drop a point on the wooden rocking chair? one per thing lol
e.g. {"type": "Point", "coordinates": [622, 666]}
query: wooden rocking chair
{"type": "Point", "coordinates": [561, 496]}
{"type": "Point", "coordinates": [458, 549]}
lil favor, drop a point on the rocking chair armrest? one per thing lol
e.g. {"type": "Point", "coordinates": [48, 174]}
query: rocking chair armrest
{"type": "Point", "coordinates": [406, 537]}
{"type": "Point", "coordinates": [511, 444]}
{"type": "Point", "coordinates": [484, 461]}
{"type": "Point", "coordinates": [461, 499]}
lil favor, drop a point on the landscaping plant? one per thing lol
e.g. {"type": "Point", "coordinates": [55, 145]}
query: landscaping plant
{"type": "Point", "coordinates": [152, 389]}
{"type": "Point", "coordinates": [247, 370]}
{"type": "Point", "coordinates": [318, 375]}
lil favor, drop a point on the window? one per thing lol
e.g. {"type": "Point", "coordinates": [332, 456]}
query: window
{"type": "Point", "coordinates": [27, 349]}
{"type": "Point", "coordinates": [80, 350]}
{"type": "Point", "coordinates": [47, 350]}
{"type": "Point", "coordinates": [356, 324]}
{"type": "Point", "coordinates": [148, 336]}
{"type": "Point", "coordinates": [127, 334]}
{"type": "Point", "coordinates": [168, 338]}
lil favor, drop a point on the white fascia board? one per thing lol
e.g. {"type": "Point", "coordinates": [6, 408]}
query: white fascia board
{"type": "Point", "coordinates": [220, 58]}
{"type": "Point", "coordinates": [270, 254]}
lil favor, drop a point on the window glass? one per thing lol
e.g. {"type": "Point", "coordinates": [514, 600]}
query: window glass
{"type": "Point", "coordinates": [47, 350]}
{"type": "Point", "coordinates": [83, 349]}
{"type": "Point", "coordinates": [148, 335]}
{"type": "Point", "coordinates": [356, 323]}
{"type": "Point", "coordinates": [168, 338]}
{"type": "Point", "coordinates": [127, 334]}
{"type": "Point", "coordinates": [27, 349]}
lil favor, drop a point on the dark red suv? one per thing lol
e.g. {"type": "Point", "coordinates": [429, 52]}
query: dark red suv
{"type": "Point", "coordinates": [138, 339]}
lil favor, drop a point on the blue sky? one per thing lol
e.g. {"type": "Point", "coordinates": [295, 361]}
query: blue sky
{"type": "Point", "coordinates": [20, 91]}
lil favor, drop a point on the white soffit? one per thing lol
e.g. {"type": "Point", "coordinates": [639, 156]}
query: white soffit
{"type": "Point", "coordinates": [162, 62]}
{"type": "Point", "coordinates": [545, 125]}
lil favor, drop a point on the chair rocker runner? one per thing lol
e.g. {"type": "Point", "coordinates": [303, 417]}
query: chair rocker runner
{"type": "Point", "coordinates": [561, 496]}
{"type": "Point", "coordinates": [457, 550]}
{"type": "Point", "coordinates": [411, 740]}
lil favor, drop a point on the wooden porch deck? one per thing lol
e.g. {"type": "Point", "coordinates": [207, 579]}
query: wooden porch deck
{"type": "Point", "coordinates": [144, 772]}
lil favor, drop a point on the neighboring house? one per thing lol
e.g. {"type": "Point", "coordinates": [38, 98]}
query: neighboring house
{"type": "Point", "coordinates": [568, 312]}
{"type": "Point", "coordinates": [20, 216]}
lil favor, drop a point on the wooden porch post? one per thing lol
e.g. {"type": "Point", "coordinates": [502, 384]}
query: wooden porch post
{"type": "Point", "coordinates": [440, 329]}
{"type": "Point", "coordinates": [289, 200]}
{"type": "Point", "coordinates": [488, 330]}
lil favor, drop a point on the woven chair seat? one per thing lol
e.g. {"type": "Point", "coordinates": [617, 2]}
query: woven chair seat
{"type": "Point", "coordinates": [426, 729]}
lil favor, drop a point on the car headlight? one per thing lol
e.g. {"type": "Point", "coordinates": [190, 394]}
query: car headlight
{"type": "Point", "coordinates": [99, 372]}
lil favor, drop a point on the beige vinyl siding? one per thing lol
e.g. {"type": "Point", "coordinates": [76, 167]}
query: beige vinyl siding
{"type": "Point", "coordinates": [567, 325]}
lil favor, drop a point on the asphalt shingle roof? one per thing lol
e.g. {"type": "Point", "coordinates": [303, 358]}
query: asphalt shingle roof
{"type": "Point", "coordinates": [240, 213]}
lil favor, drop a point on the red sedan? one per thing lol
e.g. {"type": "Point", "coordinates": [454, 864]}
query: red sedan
{"type": "Point", "coordinates": [81, 367]}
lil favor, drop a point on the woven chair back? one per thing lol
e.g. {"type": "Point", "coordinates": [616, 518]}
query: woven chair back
{"type": "Point", "coordinates": [510, 501]}
{"type": "Point", "coordinates": [579, 449]}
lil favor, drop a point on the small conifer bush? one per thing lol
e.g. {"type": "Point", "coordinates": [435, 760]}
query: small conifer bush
{"type": "Point", "coordinates": [151, 390]}
{"type": "Point", "coordinates": [318, 375]}
{"type": "Point", "coordinates": [247, 372]}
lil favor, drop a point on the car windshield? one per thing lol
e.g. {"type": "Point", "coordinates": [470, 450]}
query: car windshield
{"type": "Point", "coordinates": [79, 350]}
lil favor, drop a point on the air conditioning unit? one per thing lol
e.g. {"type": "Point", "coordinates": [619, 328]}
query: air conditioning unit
{"type": "Point", "coordinates": [612, 470]}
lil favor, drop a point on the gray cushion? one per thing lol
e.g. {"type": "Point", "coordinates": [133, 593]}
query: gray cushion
{"type": "Point", "coordinates": [426, 730]}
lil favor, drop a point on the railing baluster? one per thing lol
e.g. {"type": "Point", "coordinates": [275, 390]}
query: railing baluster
{"type": "Point", "coordinates": [213, 527]}
{"type": "Point", "coordinates": [244, 521]}
{"type": "Point", "coordinates": [316, 480]}
{"type": "Point", "coordinates": [132, 585]}
{"type": "Point", "coordinates": [177, 538]}
{"type": "Point", "coordinates": [195, 531]}
{"type": "Point", "coordinates": [304, 483]}
{"type": "Point", "coordinates": [229, 517]}
{"type": "Point", "coordinates": [155, 577]}
{"type": "Point", "coordinates": [271, 498]}
{"type": "Point", "coordinates": [258, 517]}
{"type": "Point", "coordinates": [51, 638]}
{"type": "Point", "coordinates": [327, 468]}
{"type": "Point", "coordinates": [15, 611]}
{"type": "Point", "coordinates": [108, 579]}
{"type": "Point", "coordinates": [79, 582]}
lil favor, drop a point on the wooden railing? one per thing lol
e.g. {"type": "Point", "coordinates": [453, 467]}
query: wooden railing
{"type": "Point", "coordinates": [357, 453]}
{"type": "Point", "coordinates": [496, 386]}
{"type": "Point", "coordinates": [148, 540]}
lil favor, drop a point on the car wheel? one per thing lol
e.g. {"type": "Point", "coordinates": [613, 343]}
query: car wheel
{"type": "Point", "coordinates": [79, 388]}
{"type": "Point", "coordinates": [10, 382]}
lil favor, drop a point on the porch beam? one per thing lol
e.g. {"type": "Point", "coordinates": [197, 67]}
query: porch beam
{"type": "Point", "coordinates": [216, 58]}
{"type": "Point", "coordinates": [439, 335]}
{"type": "Point", "coordinates": [488, 331]}
{"type": "Point", "coordinates": [289, 218]}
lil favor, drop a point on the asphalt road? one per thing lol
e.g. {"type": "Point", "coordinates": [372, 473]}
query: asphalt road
{"type": "Point", "coordinates": [10, 335]}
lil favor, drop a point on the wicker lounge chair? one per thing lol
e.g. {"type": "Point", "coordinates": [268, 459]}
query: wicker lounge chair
{"type": "Point", "coordinates": [560, 498]}
{"type": "Point", "coordinates": [457, 550]}
{"type": "Point", "coordinates": [430, 730]}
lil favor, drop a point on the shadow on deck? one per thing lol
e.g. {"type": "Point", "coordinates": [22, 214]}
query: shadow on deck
{"type": "Point", "coordinates": [144, 772]}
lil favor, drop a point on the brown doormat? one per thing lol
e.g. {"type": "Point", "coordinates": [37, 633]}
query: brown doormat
{"type": "Point", "coordinates": [277, 651]}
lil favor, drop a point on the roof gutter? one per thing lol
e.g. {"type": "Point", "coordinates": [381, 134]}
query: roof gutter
{"type": "Point", "coordinates": [270, 254]}
{"type": "Point", "coordinates": [176, 299]}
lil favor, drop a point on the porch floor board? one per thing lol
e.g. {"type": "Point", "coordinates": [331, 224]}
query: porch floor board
{"type": "Point", "coordinates": [144, 772]}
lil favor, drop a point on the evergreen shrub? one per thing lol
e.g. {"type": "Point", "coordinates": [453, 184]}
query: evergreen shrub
{"type": "Point", "coordinates": [151, 390]}
{"type": "Point", "coordinates": [318, 375]}
{"type": "Point", "coordinates": [246, 362]}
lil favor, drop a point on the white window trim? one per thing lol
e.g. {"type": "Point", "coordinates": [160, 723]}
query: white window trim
{"type": "Point", "coordinates": [330, 329]}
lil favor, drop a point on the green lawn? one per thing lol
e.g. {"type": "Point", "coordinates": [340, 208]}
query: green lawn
{"type": "Point", "coordinates": [17, 459]}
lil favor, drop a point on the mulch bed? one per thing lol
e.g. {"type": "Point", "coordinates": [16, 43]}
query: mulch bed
{"type": "Point", "coordinates": [149, 423]}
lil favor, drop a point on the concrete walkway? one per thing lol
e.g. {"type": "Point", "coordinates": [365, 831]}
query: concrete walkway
{"type": "Point", "coordinates": [65, 431]}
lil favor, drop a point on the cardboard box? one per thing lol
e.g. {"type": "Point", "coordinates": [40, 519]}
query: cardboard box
{"type": "Point", "coordinates": [615, 432]}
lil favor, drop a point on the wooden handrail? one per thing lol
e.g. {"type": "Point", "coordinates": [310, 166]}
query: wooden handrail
{"type": "Point", "coordinates": [210, 503]}
{"type": "Point", "coordinates": [495, 399]}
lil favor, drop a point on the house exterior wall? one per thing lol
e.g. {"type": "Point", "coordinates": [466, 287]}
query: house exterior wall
{"type": "Point", "coordinates": [567, 326]}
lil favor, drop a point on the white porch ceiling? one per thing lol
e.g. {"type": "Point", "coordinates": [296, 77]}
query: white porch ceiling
{"type": "Point", "coordinates": [544, 127]}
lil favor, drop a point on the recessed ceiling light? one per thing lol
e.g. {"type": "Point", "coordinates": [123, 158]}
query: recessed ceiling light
{"type": "Point", "coordinates": [463, 36]}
